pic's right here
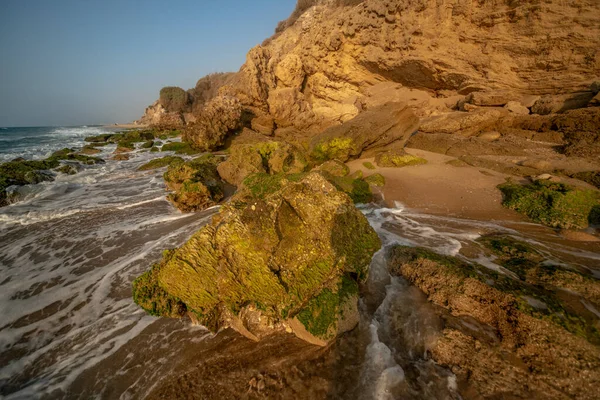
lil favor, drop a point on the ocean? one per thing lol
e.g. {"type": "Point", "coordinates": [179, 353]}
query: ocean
{"type": "Point", "coordinates": [70, 249]}
{"type": "Point", "coordinates": [39, 142]}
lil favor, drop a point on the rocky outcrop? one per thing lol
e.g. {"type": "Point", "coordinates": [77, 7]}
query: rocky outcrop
{"type": "Point", "coordinates": [333, 60]}
{"type": "Point", "coordinates": [157, 116]}
{"type": "Point", "coordinates": [509, 337]}
{"type": "Point", "coordinates": [220, 117]}
{"type": "Point", "coordinates": [196, 184]}
{"type": "Point", "coordinates": [253, 153]}
{"type": "Point", "coordinates": [330, 55]}
{"type": "Point", "coordinates": [370, 131]}
{"type": "Point", "coordinates": [288, 259]}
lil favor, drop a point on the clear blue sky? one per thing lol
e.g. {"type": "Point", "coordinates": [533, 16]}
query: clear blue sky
{"type": "Point", "coordinates": [75, 62]}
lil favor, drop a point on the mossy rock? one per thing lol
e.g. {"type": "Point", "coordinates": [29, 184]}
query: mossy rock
{"type": "Point", "coordinates": [160, 163]}
{"type": "Point", "coordinates": [180, 148]}
{"type": "Point", "coordinates": [297, 252]}
{"type": "Point", "coordinates": [530, 266]}
{"type": "Point", "coordinates": [334, 167]}
{"type": "Point", "coordinates": [449, 279]}
{"type": "Point", "coordinates": [396, 159]}
{"type": "Point", "coordinates": [67, 169]}
{"type": "Point", "coordinates": [196, 183]}
{"type": "Point", "coordinates": [339, 148]}
{"type": "Point", "coordinates": [368, 165]}
{"type": "Point", "coordinates": [553, 204]}
{"type": "Point", "coordinates": [358, 189]}
{"type": "Point", "coordinates": [24, 172]}
{"type": "Point", "coordinates": [375, 180]}
{"type": "Point", "coordinates": [89, 150]}
{"type": "Point", "coordinates": [104, 138]}
{"type": "Point", "coordinates": [268, 156]}
{"type": "Point", "coordinates": [148, 294]}
{"type": "Point", "coordinates": [148, 144]}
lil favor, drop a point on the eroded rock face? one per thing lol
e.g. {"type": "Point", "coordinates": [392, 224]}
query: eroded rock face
{"type": "Point", "coordinates": [502, 337]}
{"type": "Point", "coordinates": [334, 54]}
{"type": "Point", "coordinates": [157, 116]}
{"type": "Point", "coordinates": [371, 130]}
{"type": "Point", "coordinates": [291, 258]}
{"type": "Point", "coordinates": [220, 117]}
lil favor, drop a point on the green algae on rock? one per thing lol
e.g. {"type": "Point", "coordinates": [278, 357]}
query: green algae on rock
{"type": "Point", "coordinates": [265, 156]}
{"type": "Point", "coordinates": [375, 180]}
{"type": "Point", "coordinates": [398, 159]}
{"type": "Point", "coordinates": [161, 162]}
{"type": "Point", "coordinates": [553, 204]}
{"type": "Point", "coordinates": [196, 183]}
{"type": "Point", "coordinates": [369, 165]}
{"type": "Point", "coordinates": [334, 167]}
{"type": "Point", "coordinates": [180, 148]}
{"type": "Point", "coordinates": [294, 254]}
{"type": "Point", "coordinates": [370, 130]}
{"type": "Point", "coordinates": [24, 172]}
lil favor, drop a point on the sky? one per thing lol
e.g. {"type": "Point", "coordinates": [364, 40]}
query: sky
{"type": "Point", "coordinates": [84, 62]}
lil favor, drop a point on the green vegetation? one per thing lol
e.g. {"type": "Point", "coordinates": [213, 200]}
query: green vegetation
{"type": "Point", "coordinates": [161, 162]}
{"type": "Point", "coordinates": [180, 148]}
{"type": "Point", "coordinates": [398, 160]}
{"type": "Point", "coordinates": [196, 183]}
{"type": "Point", "coordinates": [375, 180]}
{"type": "Point", "coordinates": [261, 184]}
{"type": "Point", "coordinates": [553, 204]}
{"type": "Point", "coordinates": [148, 294]}
{"type": "Point", "coordinates": [336, 148]}
{"type": "Point", "coordinates": [174, 99]}
{"type": "Point", "coordinates": [368, 165]}
{"type": "Point", "coordinates": [154, 149]}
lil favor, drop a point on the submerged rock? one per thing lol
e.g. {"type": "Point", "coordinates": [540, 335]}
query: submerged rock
{"type": "Point", "coordinates": [196, 183]}
{"type": "Point", "coordinates": [290, 259]}
{"type": "Point", "coordinates": [22, 172]}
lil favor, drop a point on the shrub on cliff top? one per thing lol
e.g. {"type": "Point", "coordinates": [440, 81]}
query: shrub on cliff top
{"type": "Point", "coordinates": [174, 99]}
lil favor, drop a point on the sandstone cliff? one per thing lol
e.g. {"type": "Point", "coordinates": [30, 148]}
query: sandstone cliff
{"type": "Point", "coordinates": [333, 59]}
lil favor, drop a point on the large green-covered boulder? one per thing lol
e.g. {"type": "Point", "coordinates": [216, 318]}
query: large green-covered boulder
{"type": "Point", "coordinates": [553, 204]}
{"type": "Point", "coordinates": [196, 184]}
{"type": "Point", "coordinates": [264, 156]}
{"type": "Point", "coordinates": [292, 259]}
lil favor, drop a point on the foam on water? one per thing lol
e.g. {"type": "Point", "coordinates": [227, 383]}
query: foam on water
{"type": "Point", "coordinates": [39, 142]}
{"type": "Point", "coordinates": [68, 254]}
